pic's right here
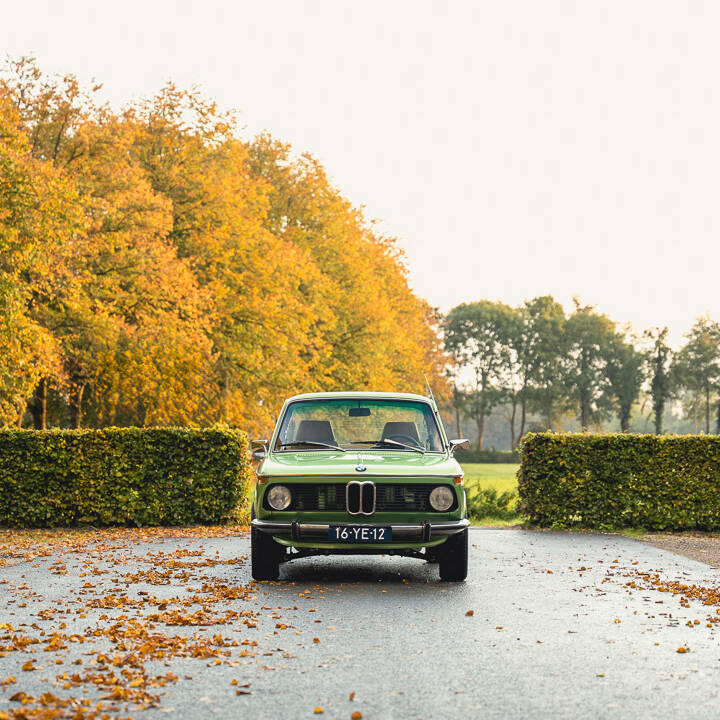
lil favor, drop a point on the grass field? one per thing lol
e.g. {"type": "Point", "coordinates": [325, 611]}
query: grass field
{"type": "Point", "coordinates": [500, 476]}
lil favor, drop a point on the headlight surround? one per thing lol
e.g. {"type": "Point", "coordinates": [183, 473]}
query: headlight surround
{"type": "Point", "coordinates": [279, 497]}
{"type": "Point", "coordinates": [441, 498]}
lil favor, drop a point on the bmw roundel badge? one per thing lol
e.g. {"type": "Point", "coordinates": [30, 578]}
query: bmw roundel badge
{"type": "Point", "coordinates": [361, 468]}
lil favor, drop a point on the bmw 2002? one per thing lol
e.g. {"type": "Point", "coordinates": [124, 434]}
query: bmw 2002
{"type": "Point", "coordinates": [359, 473]}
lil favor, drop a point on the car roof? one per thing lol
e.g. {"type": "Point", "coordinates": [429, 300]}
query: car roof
{"type": "Point", "coordinates": [365, 395]}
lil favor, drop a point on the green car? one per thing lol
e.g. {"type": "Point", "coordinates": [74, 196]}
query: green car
{"type": "Point", "coordinates": [359, 473]}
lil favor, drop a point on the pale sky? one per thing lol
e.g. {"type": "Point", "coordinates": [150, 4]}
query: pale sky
{"type": "Point", "coordinates": [514, 148]}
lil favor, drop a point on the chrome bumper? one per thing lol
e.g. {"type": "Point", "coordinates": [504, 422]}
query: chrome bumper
{"type": "Point", "coordinates": [319, 531]}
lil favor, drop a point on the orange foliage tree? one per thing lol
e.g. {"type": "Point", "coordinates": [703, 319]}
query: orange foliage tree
{"type": "Point", "coordinates": [157, 269]}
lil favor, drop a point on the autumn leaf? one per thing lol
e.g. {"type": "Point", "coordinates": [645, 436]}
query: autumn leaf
{"type": "Point", "coordinates": [318, 711]}
{"type": "Point", "coordinates": [357, 715]}
{"type": "Point", "coordinates": [470, 613]}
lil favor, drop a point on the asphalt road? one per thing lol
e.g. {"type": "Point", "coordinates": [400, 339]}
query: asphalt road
{"type": "Point", "coordinates": [555, 631]}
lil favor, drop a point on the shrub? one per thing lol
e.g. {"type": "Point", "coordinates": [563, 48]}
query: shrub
{"type": "Point", "coordinates": [487, 503]}
{"type": "Point", "coordinates": [487, 456]}
{"type": "Point", "coordinates": [614, 481]}
{"type": "Point", "coordinates": [121, 476]}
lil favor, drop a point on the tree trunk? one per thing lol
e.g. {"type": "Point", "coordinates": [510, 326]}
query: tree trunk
{"type": "Point", "coordinates": [480, 421]}
{"type": "Point", "coordinates": [584, 415]}
{"type": "Point", "coordinates": [717, 424]}
{"type": "Point", "coordinates": [76, 406]}
{"type": "Point", "coordinates": [38, 405]}
{"type": "Point", "coordinates": [523, 415]}
{"type": "Point", "coordinates": [624, 421]}
{"type": "Point", "coordinates": [658, 418]}
{"type": "Point", "coordinates": [707, 409]}
{"type": "Point", "coordinates": [512, 424]}
{"type": "Point", "coordinates": [456, 406]}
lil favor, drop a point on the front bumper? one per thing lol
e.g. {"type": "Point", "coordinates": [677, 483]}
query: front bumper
{"type": "Point", "coordinates": [303, 531]}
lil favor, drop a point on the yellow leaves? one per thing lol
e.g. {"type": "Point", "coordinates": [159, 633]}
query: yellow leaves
{"type": "Point", "coordinates": [356, 715]}
{"type": "Point", "coordinates": [29, 666]}
{"type": "Point", "coordinates": [469, 613]}
{"type": "Point", "coordinates": [318, 711]}
{"type": "Point", "coordinates": [683, 650]}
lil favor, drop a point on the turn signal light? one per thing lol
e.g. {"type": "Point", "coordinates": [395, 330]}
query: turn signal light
{"type": "Point", "coordinates": [458, 480]}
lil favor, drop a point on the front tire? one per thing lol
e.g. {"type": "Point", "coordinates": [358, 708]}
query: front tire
{"type": "Point", "coordinates": [453, 557]}
{"type": "Point", "coordinates": [265, 556]}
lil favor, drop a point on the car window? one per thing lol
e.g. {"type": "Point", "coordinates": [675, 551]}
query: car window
{"type": "Point", "coordinates": [359, 423]}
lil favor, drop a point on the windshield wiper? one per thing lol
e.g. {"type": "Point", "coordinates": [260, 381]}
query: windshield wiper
{"type": "Point", "coordinates": [299, 443]}
{"type": "Point", "coordinates": [385, 441]}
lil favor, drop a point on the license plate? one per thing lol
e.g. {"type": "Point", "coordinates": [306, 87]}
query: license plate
{"type": "Point", "coordinates": [359, 534]}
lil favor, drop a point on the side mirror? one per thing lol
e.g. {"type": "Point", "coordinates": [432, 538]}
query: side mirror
{"type": "Point", "coordinates": [259, 449]}
{"type": "Point", "coordinates": [459, 444]}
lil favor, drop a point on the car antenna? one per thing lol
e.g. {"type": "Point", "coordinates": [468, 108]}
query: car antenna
{"type": "Point", "coordinates": [429, 389]}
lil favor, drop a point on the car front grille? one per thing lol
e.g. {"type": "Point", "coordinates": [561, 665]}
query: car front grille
{"type": "Point", "coordinates": [331, 497]}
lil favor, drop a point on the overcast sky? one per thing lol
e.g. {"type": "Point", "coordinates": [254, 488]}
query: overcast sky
{"type": "Point", "coordinates": [514, 148]}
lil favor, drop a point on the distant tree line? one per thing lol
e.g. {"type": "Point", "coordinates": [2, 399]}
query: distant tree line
{"type": "Point", "coordinates": [158, 269]}
{"type": "Point", "coordinates": [540, 363]}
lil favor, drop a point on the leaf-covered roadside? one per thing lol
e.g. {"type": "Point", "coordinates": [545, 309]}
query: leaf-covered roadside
{"type": "Point", "coordinates": [125, 614]}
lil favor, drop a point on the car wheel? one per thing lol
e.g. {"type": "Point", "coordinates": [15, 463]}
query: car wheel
{"type": "Point", "coordinates": [265, 556]}
{"type": "Point", "coordinates": [453, 557]}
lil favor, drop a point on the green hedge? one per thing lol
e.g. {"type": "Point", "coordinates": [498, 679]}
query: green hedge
{"type": "Point", "coordinates": [487, 456]}
{"type": "Point", "coordinates": [121, 476]}
{"type": "Point", "coordinates": [615, 481]}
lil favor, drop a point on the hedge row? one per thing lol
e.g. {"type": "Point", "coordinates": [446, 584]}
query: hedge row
{"type": "Point", "coordinates": [121, 476]}
{"type": "Point", "coordinates": [614, 481]}
{"type": "Point", "coordinates": [487, 456]}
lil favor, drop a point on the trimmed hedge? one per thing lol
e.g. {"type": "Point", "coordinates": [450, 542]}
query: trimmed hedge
{"type": "Point", "coordinates": [487, 456]}
{"type": "Point", "coordinates": [121, 476]}
{"type": "Point", "coordinates": [615, 481]}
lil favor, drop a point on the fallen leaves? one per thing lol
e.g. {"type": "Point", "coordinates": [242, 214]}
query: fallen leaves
{"type": "Point", "coordinates": [469, 613]}
{"type": "Point", "coordinates": [119, 676]}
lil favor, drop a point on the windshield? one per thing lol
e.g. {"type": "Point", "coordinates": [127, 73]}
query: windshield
{"type": "Point", "coordinates": [402, 425]}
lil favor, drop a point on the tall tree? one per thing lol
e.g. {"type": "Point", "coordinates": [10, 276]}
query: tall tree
{"type": "Point", "coordinates": [40, 218]}
{"type": "Point", "coordinates": [625, 373]}
{"type": "Point", "coordinates": [697, 368]}
{"type": "Point", "coordinates": [589, 336]}
{"type": "Point", "coordinates": [657, 359]}
{"type": "Point", "coordinates": [477, 335]}
{"type": "Point", "coordinates": [543, 350]}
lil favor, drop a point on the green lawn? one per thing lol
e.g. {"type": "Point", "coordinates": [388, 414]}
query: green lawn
{"type": "Point", "coordinates": [500, 476]}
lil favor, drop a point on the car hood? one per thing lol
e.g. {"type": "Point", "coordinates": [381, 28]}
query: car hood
{"type": "Point", "coordinates": [320, 462]}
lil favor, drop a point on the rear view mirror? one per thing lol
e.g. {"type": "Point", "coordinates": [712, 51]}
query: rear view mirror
{"type": "Point", "coordinates": [259, 449]}
{"type": "Point", "coordinates": [459, 444]}
{"type": "Point", "coordinates": [359, 412]}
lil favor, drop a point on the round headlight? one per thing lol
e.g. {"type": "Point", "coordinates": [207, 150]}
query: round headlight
{"type": "Point", "coordinates": [279, 497]}
{"type": "Point", "coordinates": [441, 498]}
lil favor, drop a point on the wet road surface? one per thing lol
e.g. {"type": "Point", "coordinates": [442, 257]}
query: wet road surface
{"type": "Point", "coordinates": [546, 626]}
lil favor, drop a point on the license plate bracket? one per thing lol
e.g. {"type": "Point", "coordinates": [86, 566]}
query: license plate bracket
{"type": "Point", "coordinates": [360, 533]}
